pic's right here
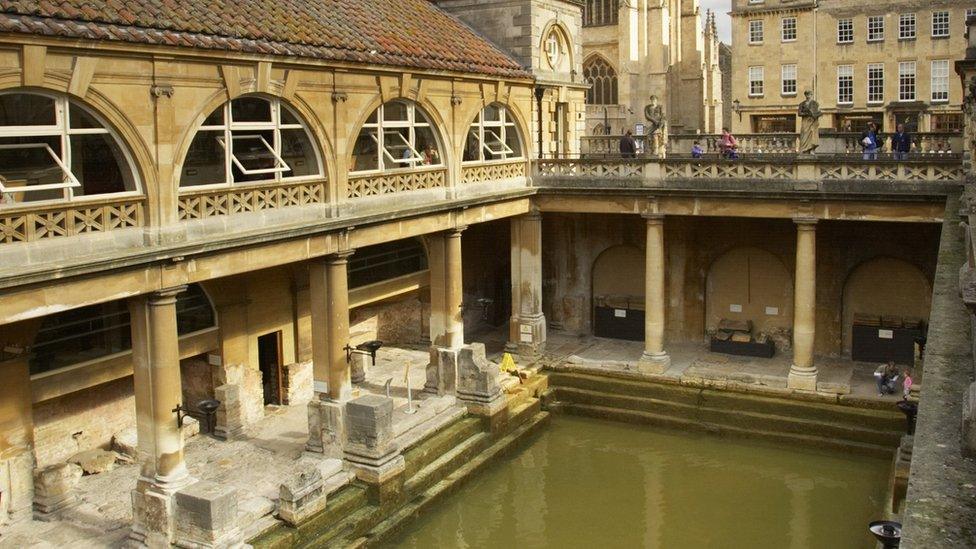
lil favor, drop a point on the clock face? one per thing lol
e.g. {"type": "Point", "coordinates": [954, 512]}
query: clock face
{"type": "Point", "coordinates": [552, 48]}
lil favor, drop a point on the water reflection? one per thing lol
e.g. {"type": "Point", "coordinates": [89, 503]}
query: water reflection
{"type": "Point", "coordinates": [588, 483]}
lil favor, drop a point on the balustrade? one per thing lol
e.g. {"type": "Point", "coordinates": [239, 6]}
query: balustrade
{"type": "Point", "coordinates": [201, 204]}
{"type": "Point", "coordinates": [361, 186]}
{"type": "Point", "coordinates": [31, 222]}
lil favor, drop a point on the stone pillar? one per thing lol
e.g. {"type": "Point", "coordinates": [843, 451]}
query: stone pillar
{"type": "Point", "coordinates": [158, 390]}
{"type": "Point", "coordinates": [372, 451]}
{"type": "Point", "coordinates": [654, 360]}
{"type": "Point", "coordinates": [803, 372]}
{"type": "Point", "coordinates": [527, 330]}
{"type": "Point", "coordinates": [446, 314]}
{"type": "Point", "coordinates": [478, 387]}
{"type": "Point", "coordinates": [329, 294]}
{"type": "Point", "coordinates": [16, 441]}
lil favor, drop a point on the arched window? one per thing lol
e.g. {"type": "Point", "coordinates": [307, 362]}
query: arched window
{"type": "Point", "coordinates": [492, 136]}
{"type": "Point", "coordinates": [97, 331]}
{"type": "Point", "coordinates": [52, 148]}
{"type": "Point", "coordinates": [602, 80]}
{"type": "Point", "coordinates": [250, 139]}
{"type": "Point", "coordinates": [600, 12]}
{"type": "Point", "coordinates": [397, 135]}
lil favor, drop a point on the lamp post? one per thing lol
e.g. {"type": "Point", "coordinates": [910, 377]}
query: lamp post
{"type": "Point", "coordinates": [737, 108]}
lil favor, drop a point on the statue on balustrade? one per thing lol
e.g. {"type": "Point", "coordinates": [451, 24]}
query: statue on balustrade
{"type": "Point", "coordinates": [810, 114]}
{"type": "Point", "coordinates": [969, 109]}
{"type": "Point", "coordinates": [656, 126]}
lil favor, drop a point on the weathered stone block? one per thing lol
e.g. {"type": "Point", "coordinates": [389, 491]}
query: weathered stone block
{"type": "Point", "coordinates": [126, 442]}
{"type": "Point", "coordinates": [969, 421]}
{"type": "Point", "coordinates": [326, 427]}
{"type": "Point", "coordinates": [205, 515]}
{"type": "Point", "coordinates": [152, 517]}
{"type": "Point", "coordinates": [477, 377]}
{"type": "Point", "coordinates": [358, 367]}
{"type": "Point", "coordinates": [442, 371]}
{"type": "Point", "coordinates": [301, 496]}
{"type": "Point", "coordinates": [17, 483]}
{"type": "Point", "coordinates": [54, 489]}
{"type": "Point", "coordinates": [298, 383]}
{"type": "Point", "coordinates": [369, 429]}
{"type": "Point", "coordinates": [95, 461]}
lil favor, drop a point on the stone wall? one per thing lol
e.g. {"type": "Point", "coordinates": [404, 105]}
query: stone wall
{"type": "Point", "coordinates": [82, 420]}
{"type": "Point", "coordinates": [397, 321]}
{"type": "Point", "coordinates": [572, 243]}
{"type": "Point", "coordinates": [197, 379]}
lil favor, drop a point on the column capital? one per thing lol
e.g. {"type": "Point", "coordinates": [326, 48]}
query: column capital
{"type": "Point", "coordinates": [456, 231]}
{"type": "Point", "coordinates": [336, 258]}
{"type": "Point", "coordinates": [806, 223]}
{"type": "Point", "coordinates": [653, 218]}
{"type": "Point", "coordinates": [532, 215]}
{"type": "Point", "coordinates": [166, 293]}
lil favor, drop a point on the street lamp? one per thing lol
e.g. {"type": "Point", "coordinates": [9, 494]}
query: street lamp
{"type": "Point", "coordinates": [737, 108]}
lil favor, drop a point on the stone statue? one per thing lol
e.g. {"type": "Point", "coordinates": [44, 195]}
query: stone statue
{"type": "Point", "coordinates": [656, 125]}
{"type": "Point", "coordinates": [809, 112]}
{"type": "Point", "coordinates": [969, 110]}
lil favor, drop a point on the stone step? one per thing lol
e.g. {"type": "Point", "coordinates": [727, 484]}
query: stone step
{"type": "Point", "coordinates": [430, 427]}
{"type": "Point", "coordinates": [446, 463]}
{"type": "Point", "coordinates": [338, 509]}
{"type": "Point", "coordinates": [671, 422]}
{"type": "Point", "coordinates": [421, 455]}
{"type": "Point", "coordinates": [390, 526]}
{"type": "Point", "coordinates": [834, 412]}
{"type": "Point", "coordinates": [707, 414]}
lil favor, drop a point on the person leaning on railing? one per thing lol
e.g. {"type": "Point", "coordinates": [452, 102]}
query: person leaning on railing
{"type": "Point", "coordinates": [628, 146]}
{"type": "Point", "coordinates": [869, 142]}
{"type": "Point", "coordinates": [728, 145]}
{"type": "Point", "coordinates": [901, 143]}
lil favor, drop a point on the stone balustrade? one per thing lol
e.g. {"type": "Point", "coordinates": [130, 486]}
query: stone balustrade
{"type": "Point", "coordinates": [617, 172]}
{"type": "Point", "coordinates": [202, 204]}
{"type": "Point", "coordinates": [362, 186]}
{"type": "Point", "coordinates": [28, 222]}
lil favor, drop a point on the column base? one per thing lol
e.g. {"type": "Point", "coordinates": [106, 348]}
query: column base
{"type": "Point", "coordinates": [528, 337]}
{"type": "Point", "coordinates": [326, 427]}
{"type": "Point", "coordinates": [442, 371]}
{"type": "Point", "coordinates": [154, 509]}
{"type": "Point", "coordinates": [804, 379]}
{"type": "Point", "coordinates": [654, 363]}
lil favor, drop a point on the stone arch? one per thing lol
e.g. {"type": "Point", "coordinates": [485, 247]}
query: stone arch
{"type": "Point", "coordinates": [748, 283]}
{"type": "Point", "coordinates": [559, 27]}
{"type": "Point", "coordinates": [617, 291]}
{"type": "Point", "coordinates": [437, 121]}
{"type": "Point", "coordinates": [525, 153]}
{"type": "Point", "coordinates": [884, 286]}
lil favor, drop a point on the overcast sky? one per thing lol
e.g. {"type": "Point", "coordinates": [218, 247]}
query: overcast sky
{"type": "Point", "coordinates": [721, 9]}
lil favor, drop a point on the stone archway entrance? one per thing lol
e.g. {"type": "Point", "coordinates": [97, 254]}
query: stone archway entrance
{"type": "Point", "coordinates": [618, 293]}
{"type": "Point", "coordinates": [754, 285]}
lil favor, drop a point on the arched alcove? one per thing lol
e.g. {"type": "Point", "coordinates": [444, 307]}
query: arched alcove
{"type": "Point", "coordinates": [750, 284]}
{"type": "Point", "coordinates": [618, 293]}
{"type": "Point", "coordinates": [884, 286]}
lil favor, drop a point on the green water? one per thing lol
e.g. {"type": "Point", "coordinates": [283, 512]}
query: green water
{"type": "Point", "coordinates": [596, 484]}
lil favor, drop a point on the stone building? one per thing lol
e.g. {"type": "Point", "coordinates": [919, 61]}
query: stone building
{"type": "Point", "coordinates": [887, 62]}
{"type": "Point", "coordinates": [663, 48]}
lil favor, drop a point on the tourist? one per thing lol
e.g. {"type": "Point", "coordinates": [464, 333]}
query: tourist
{"type": "Point", "coordinates": [696, 150]}
{"type": "Point", "coordinates": [885, 376]}
{"type": "Point", "coordinates": [728, 145]}
{"type": "Point", "coordinates": [628, 145]}
{"type": "Point", "coordinates": [901, 143]}
{"type": "Point", "coordinates": [869, 142]}
{"type": "Point", "coordinates": [906, 384]}
{"type": "Point", "coordinates": [430, 155]}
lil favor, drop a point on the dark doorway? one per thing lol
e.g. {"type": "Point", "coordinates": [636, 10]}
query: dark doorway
{"type": "Point", "coordinates": [269, 360]}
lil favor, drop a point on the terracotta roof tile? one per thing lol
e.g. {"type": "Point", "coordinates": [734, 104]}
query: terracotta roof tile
{"type": "Point", "coordinates": [404, 33]}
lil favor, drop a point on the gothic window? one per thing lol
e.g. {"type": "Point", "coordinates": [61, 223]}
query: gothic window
{"type": "Point", "coordinates": [250, 139]}
{"type": "Point", "coordinates": [54, 149]}
{"type": "Point", "coordinates": [397, 135]}
{"type": "Point", "coordinates": [600, 12]}
{"type": "Point", "coordinates": [602, 80]}
{"type": "Point", "coordinates": [492, 136]}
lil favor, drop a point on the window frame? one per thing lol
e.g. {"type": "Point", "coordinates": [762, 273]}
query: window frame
{"type": "Point", "coordinates": [757, 31]}
{"type": "Point", "coordinates": [386, 126]}
{"type": "Point", "coordinates": [881, 32]}
{"type": "Point", "coordinates": [62, 130]}
{"type": "Point", "coordinates": [845, 26]}
{"type": "Point", "coordinates": [902, 84]}
{"type": "Point", "coordinates": [761, 80]}
{"type": "Point", "coordinates": [784, 28]}
{"type": "Point", "coordinates": [783, 80]}
{"type": "Point", "coordinates": [944, 78]}
{"type": "Point", "coordinates": [903, 21]}
{"type": "Point", "coordinates": [503, 125]}
{"type": "Point", "coordinates": [275, 125]}
{"type": "Point", "coordinates": [945, 26]}
{"type": "Point", "coordinates": [878, 82]}
{"type": "Point", "coordinates": [845, 85]}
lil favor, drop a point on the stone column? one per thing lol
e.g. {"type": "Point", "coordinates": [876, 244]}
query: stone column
{"type": "Point", "coordinates": [527, 331]}
{"type": "Point", "coordinates": [803, 372]}
{"type": "Point", "coordinates": [654, 360]}
{"type": "Point", "coordinates": [158, 390]}
{"type": "Point", "coordinates": [16, 441]}
{"type": "Point", "coordinates": [446, 314]}
{"type": "Point", "coordinates": [329, 295]}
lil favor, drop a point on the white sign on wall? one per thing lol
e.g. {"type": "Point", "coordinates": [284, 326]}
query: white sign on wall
{"type": "Point", "coordinates": [735, 308]}
{"type": "Point", "coordinates": [620, 313]}
{"type": "Point", "coordinates": [886, 334]}
{"type": "Point", "coordinates": [772, 311]}
{"type": "Point", "coordinates": [525, 338]}
{"type": "Point", "coordinates": [525, 328]}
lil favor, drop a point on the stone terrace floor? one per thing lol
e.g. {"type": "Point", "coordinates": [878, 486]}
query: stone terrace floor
{"type": "Point", "coordinates": [274, 449]}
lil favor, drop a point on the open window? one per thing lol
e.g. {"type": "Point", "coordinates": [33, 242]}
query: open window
{"type": "Point", "coordinates": [493, 136]}
{"type": "Point", "coordinates": [397, 135]}
{"type": "Point", "coordinates": [250, 139]}
{"type": "Point", "coordinates": [54, 149]}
